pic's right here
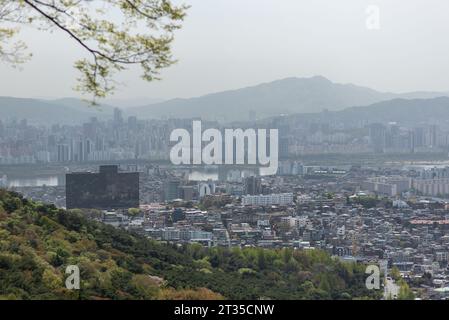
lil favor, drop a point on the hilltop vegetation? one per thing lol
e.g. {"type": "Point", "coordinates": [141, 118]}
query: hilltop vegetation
{"type": "Point", "coordinates": [37, 242]}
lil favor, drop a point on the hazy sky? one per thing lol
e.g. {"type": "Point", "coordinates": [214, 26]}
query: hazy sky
{"type": "Point", "coordinates": [228, 44]}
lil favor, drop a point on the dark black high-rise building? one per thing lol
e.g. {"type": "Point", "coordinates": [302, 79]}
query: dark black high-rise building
{"type": "Point", "coordinates": [108, 189]}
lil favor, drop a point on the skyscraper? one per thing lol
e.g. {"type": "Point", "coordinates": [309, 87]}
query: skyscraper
{"type": "Point", "coordinates": [107, 189]}
{"type": "Point", "coordinates": [171, 189]}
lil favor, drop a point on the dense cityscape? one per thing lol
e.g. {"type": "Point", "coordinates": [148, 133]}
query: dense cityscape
{"type": "Point", "coordinates": [241, 152]}
{"type": "Point", "coordinates": [395, 214]}
{"type": "Point", "coordinates": [131, 138]}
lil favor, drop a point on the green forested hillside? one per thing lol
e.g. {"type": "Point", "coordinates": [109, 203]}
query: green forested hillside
{"type": "Point", "coordinates": [38, 241]}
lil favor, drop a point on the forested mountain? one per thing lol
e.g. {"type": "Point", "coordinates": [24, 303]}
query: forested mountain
{"type": "Point", "coordinates": [301, 97]}
{"type": "Point", "coordinates": [285, 96]}
{"type": "Point", "coordinates": [38, 241]}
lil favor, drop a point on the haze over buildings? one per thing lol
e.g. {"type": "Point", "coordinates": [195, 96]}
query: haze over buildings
{"type": "Point", "coordinates": [363, 167]}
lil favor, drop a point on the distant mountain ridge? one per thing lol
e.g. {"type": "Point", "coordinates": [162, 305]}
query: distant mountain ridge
{"type": "Point", "coordinates": [286, 96]}
{"type": "Point", "coordinates": [404, 111]}
{"type": "Point", "coordinates": [62, 111]}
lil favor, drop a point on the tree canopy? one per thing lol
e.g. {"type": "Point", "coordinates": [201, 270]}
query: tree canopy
{"type": "Point", "coordinates": [116, 34]}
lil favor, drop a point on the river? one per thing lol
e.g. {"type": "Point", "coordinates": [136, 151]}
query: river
{"type": "Point", "coordinates": [59, 180]}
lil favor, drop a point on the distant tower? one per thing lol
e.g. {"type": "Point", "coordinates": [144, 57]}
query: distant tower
{"type": "Point", "coordinates": [171, 189]}
{"type": "Point", "coordinates": [252, 185]}
{"type": "Point", "coordinates": [377, 134]}
{"type": "Point", "coordinates": [118, 116]}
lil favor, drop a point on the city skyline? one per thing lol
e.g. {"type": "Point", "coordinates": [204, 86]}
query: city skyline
{"type": "Point", "coordinates": [297, 150]}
